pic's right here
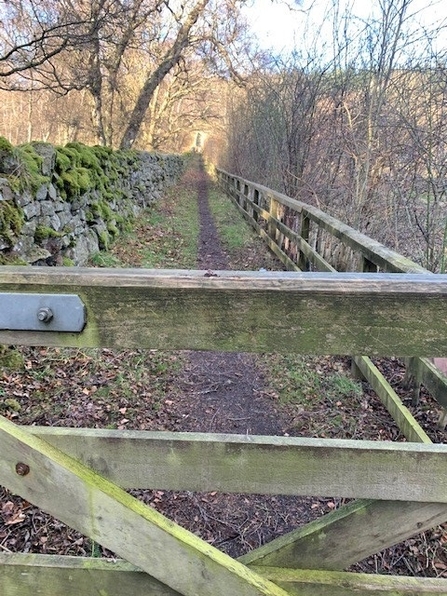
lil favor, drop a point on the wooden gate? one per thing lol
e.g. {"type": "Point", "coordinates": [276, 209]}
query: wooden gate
{"type": "Point", "coordinates": [79, 475]}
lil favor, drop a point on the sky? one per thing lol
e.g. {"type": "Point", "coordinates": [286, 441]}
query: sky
{"type": "Point", "coordinates": [282, 29]}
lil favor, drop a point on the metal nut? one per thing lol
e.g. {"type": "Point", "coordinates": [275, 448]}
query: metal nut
{"type": "Point", "coordinates": [22, 469]}
{"type": "Point", "coordinates": [45, 314]}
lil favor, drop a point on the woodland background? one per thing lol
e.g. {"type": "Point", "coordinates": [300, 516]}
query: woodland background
{"type": "Point", "coordinates": [354, 121]}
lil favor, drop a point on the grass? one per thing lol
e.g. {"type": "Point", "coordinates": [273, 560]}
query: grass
{"type": "Point", "coordinates": [233, 230]}
{"type": "Point", "coordinates": [319, 393]}
{"type": "Point", "coordinates": [301, 380]}
{"type": "Point", "coordinates": [164, 236]}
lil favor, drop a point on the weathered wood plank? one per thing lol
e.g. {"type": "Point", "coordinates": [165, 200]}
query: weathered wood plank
{"type": "Point", "coordinates": [272, 228]}
{"type": "Point", "coordinates": [237, 463]}
{"type": "Point", "coordinates": [374, 251]}
{"type": "Point", "coordinates": [86, 501]}
{"type": "Point", "coordinates": [348, 535]}
{"type": "Point", "coordinates": [230, 183]}
{"type": "Point", "coordinates": [404, 419]}
{"type": "Point", "coordinates": [316, 259]}
{"type": "Point", "coordinates": [271, 243]}
{"type": "Point", "coordinates": [316, 313]}
{"type": "Point", "coordinates": [427, 374]}
{"type": "Point", "coordinates": [312, 255]}
{"type": "Point", "coordinates": [28, 575]}
{"type": "Point", "coordinates": [52, 575]}
{"type": "Point", "coordinates": [333, 583]}
{"type": "Point", "coordinates": [420, 518]}
{"type": "Point", "coordinates": [285, 259]}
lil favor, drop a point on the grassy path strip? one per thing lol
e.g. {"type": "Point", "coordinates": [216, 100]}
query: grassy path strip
{"type": "Point", "coordinates": [165, 235]}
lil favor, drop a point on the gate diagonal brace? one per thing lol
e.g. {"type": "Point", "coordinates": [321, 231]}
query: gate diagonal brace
{"type": "Point", "coordinates": [86, 501]}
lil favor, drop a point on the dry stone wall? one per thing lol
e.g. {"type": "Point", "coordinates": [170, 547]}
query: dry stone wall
{"type": "Point", "coordinates": [58, 205]}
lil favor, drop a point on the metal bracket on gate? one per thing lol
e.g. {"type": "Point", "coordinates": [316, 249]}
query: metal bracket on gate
{"type": "Point", "coordinates": [42, 312]}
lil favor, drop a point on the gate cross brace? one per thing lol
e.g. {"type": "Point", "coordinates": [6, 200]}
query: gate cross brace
{"type": "Point", "coordinates": [364, 527]}
{"type": "Point", "coordinates": [86, 501]}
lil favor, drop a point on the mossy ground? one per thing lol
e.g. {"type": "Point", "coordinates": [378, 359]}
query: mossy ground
{"type": "Point", "coordinates": [234, 232]}
{"type": "Point", "coordinates": [11, 358]}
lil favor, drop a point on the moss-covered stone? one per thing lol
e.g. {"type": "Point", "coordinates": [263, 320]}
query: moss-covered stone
{"type": "Point", "coordinates": [11, 259]}
{"type": "Point", "coordinates": [63, 161]}
{"type": "Point", "coordinates": [30, 167]}
{"type": "Point", "coordinates": [44, 232]}
{"type": "Point", "coordinates": [11, 221]}
{"type": "Point", "coordinates": [103, 188]}
{"type": "Point", "coordinates": [5, 147]}
{"type": "Point", "coordinates": [112, 228]}
{"type": "Point", "coordinates": [104, 239]}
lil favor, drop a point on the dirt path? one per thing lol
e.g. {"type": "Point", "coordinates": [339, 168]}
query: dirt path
{"type": "Point", "coordinates": [222, 392]}
{"type": "Point", "coordinates": [199, 392]}
{"type": "Point", "coordinates": [225, 393]}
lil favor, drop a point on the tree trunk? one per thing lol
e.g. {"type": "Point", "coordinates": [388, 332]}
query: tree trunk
{"type": "Point", "coordinates": [170, 59]}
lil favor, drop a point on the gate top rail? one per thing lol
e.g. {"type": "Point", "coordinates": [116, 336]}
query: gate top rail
{"type": "Point", "coordinates": [314, 313]}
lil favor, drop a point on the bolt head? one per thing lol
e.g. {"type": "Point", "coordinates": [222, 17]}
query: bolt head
{"type": "Point", "coordinates": [22, 469]}
{"type": "Point", "coordinates": [45, 314]}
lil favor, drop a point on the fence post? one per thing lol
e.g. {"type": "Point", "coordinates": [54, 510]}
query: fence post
{"type": "Point", "coordinates": [273, 212]}
{"type": "Point", "coordinates": [368, 266]}
{"type": "Point", "coordinates": [303, 262]}
{"type": "Point", "coordinates": [255, 202]}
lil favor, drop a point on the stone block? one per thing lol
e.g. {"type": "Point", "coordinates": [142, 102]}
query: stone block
{"type": "Point", "coordinates": [31, 210]}
{"type": "Point", "coordinates": [48, 154]}
{"type": "Point", "coordinates": [42, 192]}
{"type": "Point", "coordinates": [47, 208]}
{"type": "Point", "coordinates": [52, 192]}
{"type": "Point", "coordinates": [24, 198]}
{"type": "Point", "coordinates": [29, 228]}
{"type": "Point", "coordinates": [55, 222]}
{"type": "Point", "coordinates": [61, 206]}
{"type": "Point", "coordinates": [36, 253]}
{"type": "Point", "coordinates": [5, 190]}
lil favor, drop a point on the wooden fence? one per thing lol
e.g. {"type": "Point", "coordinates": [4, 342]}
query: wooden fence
{"type": "Point", "coordinates": [79, 475]}
{"type": "Point", "coordinates": [305, 238]}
